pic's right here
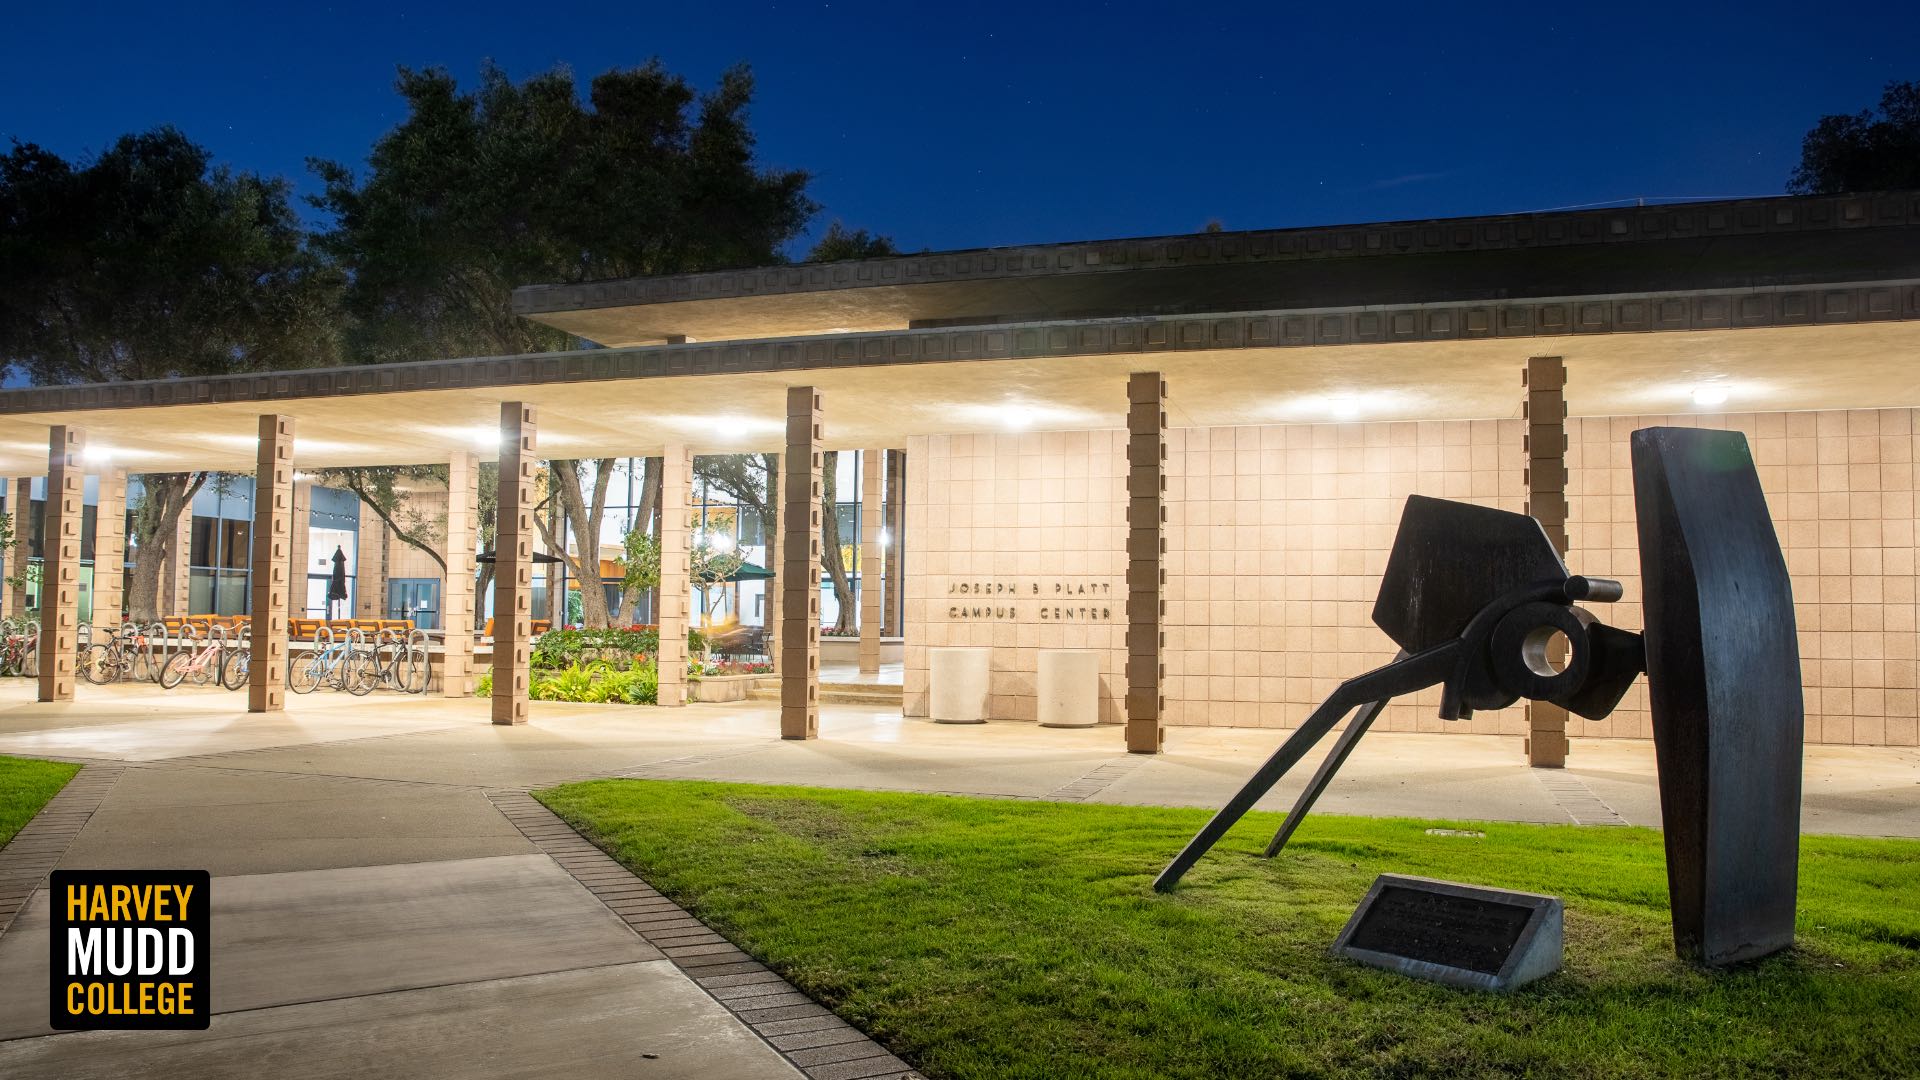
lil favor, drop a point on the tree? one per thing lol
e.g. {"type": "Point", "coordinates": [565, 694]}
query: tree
{"type": "Point", "coordinates": [580, 515]}
{"type": "Point", "coordinates": [384, 489]}
{"type": "Point", "coordinates": [839, 243]}
{"type": "Point", "coordinates": [487, 520]}
{"type": "Point", "coordinates": [476, 193]}
{"type": "Point", "coordinates": [1864, 151]}
{"type": "Point", "coordinates": [709, 563]}
{"type": "Point", "coordinates": [830, 557]}
{"type": "Point", "coordinates": [151, 263]}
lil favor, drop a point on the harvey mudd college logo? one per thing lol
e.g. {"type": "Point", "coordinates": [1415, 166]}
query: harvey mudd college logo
{"type": "Point", "coordinates": [129, 949]}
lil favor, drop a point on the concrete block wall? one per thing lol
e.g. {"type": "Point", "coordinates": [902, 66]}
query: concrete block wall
{"type": "Point", "coordinates": [1277, 535]}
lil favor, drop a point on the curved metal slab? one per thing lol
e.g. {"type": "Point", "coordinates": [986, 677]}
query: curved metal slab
{"type": "Point", "coordinates": [1723, 679]}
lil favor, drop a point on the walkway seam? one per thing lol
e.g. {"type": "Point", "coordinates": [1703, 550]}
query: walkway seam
{"type": "Point", "coordinates": [1097, 781]}
{"type": "Point", "coordinates": [815, 1041]}
{"type": "Point", "coordinates": [37, 848]}
{"type": "Point", "coordinates": [1577, 799]}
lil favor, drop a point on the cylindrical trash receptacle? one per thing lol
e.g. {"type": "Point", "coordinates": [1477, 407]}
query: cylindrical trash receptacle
{"type": "Point", "coordinates": [957, 684]}
{"type": "Point", "coordinates": [1069, 688]}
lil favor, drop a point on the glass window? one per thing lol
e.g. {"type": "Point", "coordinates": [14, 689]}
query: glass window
{"type": "Point", "coordinates": [201, 548]}
{"type": "Point", "coordinates": [753, 531]}
{"type": "Point", "coordinates": [234, 549]}
{"type": "Point", "coordinates": [230, 593]}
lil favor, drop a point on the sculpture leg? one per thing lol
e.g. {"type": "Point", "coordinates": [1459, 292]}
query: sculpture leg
{"type": "Point", "coordinates": [1337, 757]}
{"type": "Point", "coordinates": [1403, 676]}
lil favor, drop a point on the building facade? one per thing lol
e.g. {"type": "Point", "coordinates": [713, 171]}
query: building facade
{"type": "Point", "coordinates": [1189, 453]}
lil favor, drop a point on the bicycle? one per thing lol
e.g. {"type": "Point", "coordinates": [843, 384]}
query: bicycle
{"type": "Point", "coordinates": [127, 653]}
{"type": "Point", "coordinates": [342, 665]}
{"type": "Point", "coordinates": [400, 663]}
{"type": "Point", "coordinates": [19, 647]}
{"type": "Point", "coordinates": [202, 664]}
{"type": "Point", "coordinates": [238, 662]}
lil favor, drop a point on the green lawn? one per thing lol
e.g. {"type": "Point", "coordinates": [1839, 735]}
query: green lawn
{"type": "Point", "coordinates": [998, 939]}
{"type": "Point", "coordinates": [25, 787]}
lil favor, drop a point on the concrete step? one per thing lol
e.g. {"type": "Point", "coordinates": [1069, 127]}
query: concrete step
{"type": "Point", "coordinates": [836, 693]}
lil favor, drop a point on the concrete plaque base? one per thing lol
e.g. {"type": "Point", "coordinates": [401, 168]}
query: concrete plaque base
{"type": "Point", "coordinates": [1458, 935]}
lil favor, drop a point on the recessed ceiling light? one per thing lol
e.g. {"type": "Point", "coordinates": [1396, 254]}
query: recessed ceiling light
{"type": "Point", "coordinates": [1343, 406]}
{"type": "Point", "coordinates": [97, 454]}
{"type": "Point", "coordinates": [1709, 395]}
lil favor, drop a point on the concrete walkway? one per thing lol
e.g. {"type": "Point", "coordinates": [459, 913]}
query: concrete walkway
{"type": "Point", "coordinates": [380, 910]}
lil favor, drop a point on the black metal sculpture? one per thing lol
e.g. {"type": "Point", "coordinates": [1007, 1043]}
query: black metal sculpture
{"type": "Point", "coordinates": [1475, 598]}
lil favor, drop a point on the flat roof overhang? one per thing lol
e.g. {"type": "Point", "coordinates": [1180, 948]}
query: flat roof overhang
{"type": "Point", "coordinates": [1751, 243]}
{"type": "Point", "coordinates": [1827, 347]}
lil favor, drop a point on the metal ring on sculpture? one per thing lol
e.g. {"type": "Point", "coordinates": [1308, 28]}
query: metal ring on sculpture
{"type": "Point", "coordinates": [1519, 648]}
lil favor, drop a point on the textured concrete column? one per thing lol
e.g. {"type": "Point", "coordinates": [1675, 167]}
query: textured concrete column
{"type": "Point", "coordinates": [770, 611]}
{"type": "Point", "coordinates": [873, 468]}
{"type": "Point", "coordinates": [1146, 556]}
{"type": "Point", "coordinates": [299, 548]}
{"type": "Point", "coordinates": [176, 588]}
{"type": "Point", "coordinates": [456, 592]}
{"type": "Point", "coordinates": [1545, 409]}
{"type": "Point", "coordinates": [109, 547]}
{"type": "Point", "coordinates": [513, 572]}
{"type": "Point", "coordinates": [370, 569]}
{"type": "Point", "coordinates": [800, 568]}
{"type": "Point", "coordinates": [895, 610]}
{"type": "Point", "coordinates": [676, 573]}
{"type": "Point", "coordinates": [60, 562]}
{"type": "Point", "coordinates": [19, 508]}
{"type": "Point", "coordinates": [272, 565]}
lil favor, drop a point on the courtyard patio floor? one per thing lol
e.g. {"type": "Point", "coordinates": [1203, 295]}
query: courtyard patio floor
{"type": "Point", "coordinates": [343, 818]}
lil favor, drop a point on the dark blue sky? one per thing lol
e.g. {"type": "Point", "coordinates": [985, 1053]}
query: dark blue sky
{"type": "Point", "coordinates": [981, 123]}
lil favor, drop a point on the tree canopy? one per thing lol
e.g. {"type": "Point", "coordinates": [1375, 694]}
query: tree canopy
{"type": "Point", "coordinates": [1872, 150]}
{"type": "Point", "coordinates": [151, 263]}
{"type": "Point", "coordinates": [475, 193]}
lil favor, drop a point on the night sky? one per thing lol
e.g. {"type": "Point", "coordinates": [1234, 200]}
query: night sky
{"type": "Point", "coordinates": [980, 123]}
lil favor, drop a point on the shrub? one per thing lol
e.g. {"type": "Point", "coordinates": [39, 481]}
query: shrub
{"type": "Point", "coordinates": [560, 649]}
{"type": "Point", "coordinates": [483, 686]}
{"type": "Point", "coordinates": [597, 682]}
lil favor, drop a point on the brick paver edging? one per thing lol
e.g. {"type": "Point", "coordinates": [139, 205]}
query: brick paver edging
{"type": "Point", "coordinates": [818, 1043]}
{"type": "Point", "coordinates": [36, 849]}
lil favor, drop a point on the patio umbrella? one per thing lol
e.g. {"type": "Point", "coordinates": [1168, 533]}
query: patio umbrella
{"type": "Point", "coordinates": [337, 581]}
{"type": "Point", "coordinates": [749, 572]}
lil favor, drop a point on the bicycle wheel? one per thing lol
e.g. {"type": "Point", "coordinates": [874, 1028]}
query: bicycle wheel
{"type": "Point", "coordinates": [141, 666]}
{"type": "Point", "coordinates": [360, 673]}
{"type": "Point", "coordinates": [174, 672]}
{"type": "Point", "coordinates": [304, 673]}
{"type": "Point", "coordinates": [415, 672]}
{"type": "Point", "coordinates": [234, 667]}
{"type": "Point", "coordinates": [96, 664]}
{"type": "Point", "coordinates": [386, 662]}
